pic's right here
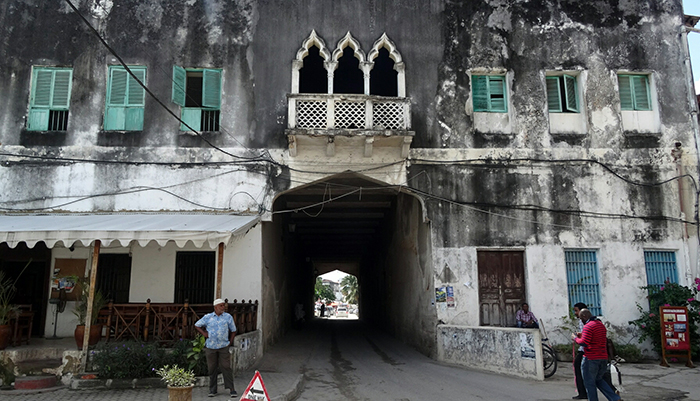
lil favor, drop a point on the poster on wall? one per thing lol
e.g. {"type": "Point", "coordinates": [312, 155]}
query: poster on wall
{"type": "Point", "coordinates": [527, 349]}
{"type": "Point", "coordinates": [440, 294]}
{"type": "Point", "coordinates": [450, 296]}
{"type": "Point", "coordinates": [675, 339]}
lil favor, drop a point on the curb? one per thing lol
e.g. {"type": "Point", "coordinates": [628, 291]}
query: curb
{"type": "Point", "coordinates": [148, 382]}
{"type": "Point", "coordinates": [292, 393]}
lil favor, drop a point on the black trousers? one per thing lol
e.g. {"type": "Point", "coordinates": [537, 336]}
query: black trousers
{"type": "Point", "coordinates": [219, 360]}
{"type": "Point", "coordinates": [579, 378]}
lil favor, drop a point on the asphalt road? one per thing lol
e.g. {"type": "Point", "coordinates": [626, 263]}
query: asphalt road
{"type": "Point", "coordinates": [348, 360]}
{"type": "Point", "coordinates": [345, 359]}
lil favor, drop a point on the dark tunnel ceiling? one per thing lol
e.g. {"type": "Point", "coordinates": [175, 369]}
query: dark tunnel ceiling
{"type": "Point", "coordinates": [342, 230]}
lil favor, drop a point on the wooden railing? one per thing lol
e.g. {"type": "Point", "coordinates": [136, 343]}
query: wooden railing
{"type": "Point", "coordinates": [168, 322]}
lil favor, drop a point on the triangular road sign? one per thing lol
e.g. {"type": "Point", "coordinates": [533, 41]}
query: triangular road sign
{"type": "Point", "coordinates": [256, 390]}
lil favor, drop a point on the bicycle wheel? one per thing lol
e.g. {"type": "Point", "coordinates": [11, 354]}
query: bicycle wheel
{"type": "Point", "coordinates": [549, 360]}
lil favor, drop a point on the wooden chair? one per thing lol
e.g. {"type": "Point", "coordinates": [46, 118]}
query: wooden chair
{"type": "Point", "coordinates": [22, 322]}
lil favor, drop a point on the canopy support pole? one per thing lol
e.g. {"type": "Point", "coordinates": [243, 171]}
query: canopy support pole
{"type": "Point", "coordinates": [90, 301]}
{"type": "Point", "coordinates": [219, 269]}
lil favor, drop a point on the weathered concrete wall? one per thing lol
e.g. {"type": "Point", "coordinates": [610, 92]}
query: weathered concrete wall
{"type": "Point", "coordinates": [398, 289]}
{"type": "Point", "coordinates": [527, 183]}
{"type": "Point", "coordinates": [515, 352]}
{"type": "Point", "coordinates": [248, 349]}
{"type": "Point", "coordinates": [277, 307]}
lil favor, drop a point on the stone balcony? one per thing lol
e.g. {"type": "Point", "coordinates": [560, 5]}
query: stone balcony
{"type": "Point", "coordinates": [317, 119]}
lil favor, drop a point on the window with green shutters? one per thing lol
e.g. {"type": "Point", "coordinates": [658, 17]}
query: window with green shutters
{"type": "Point", "coordinates": [198, 92]}
{"type": "Point", "coordinates": [489, 93]}
{"type": "Point", "coordinates": [49, 99]}
{"type": "Point", "coordinates": [634, 92]}
{"type": "Point", "coordinates": [562, 94]}
{"type": "Point", "coordinates": [125, 99]}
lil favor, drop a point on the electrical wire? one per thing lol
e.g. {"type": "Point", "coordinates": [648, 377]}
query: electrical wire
{"type": "Point", "coordinates": [266, 157]}
{"type": "Point", "coordinates": [160, 102]}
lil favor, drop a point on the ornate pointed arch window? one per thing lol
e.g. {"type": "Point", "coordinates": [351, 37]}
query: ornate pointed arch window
{"type": "Point", "coordinates": [387, 76]}
{"type": "Point", "coordinates": [309, 67]}
{"type": "Point", "coordinates": [348, 92]}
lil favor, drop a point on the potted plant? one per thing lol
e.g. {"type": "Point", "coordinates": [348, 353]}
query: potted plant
{"type": "Point", "coordinates": [180, 382]}
{"type": "Point", "coordinates": [7, 310]}
{"type": "Point", "coordinates": [80, 312]}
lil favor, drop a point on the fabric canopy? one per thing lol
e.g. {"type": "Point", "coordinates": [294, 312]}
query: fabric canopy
{"type": "Point", "coordinates": [123, 228]}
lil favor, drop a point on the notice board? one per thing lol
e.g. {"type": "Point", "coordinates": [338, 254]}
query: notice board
{"type": "Point", "coordinates": [675, 333]}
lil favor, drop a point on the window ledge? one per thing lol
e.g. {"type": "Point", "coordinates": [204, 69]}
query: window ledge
{"type": "Point", "coordinates": [348, 132]}
{"type": "Point", "coordinates": [641, 140]}
{"type": "Point", "coordinates": [193, 133]}
{"type": "Point", "coordinates": [116, 131]}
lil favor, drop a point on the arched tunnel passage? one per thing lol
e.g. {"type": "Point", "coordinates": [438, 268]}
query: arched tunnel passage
{"type": "Point", "coordinates": [368, 229]}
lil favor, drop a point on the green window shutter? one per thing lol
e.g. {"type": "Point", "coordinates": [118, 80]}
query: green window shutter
{"type": "Point", "coordinates": [38, 119]}
{"type": "Point", "coordinates": [193, 118]}
{"type": "Point", "coordinates": [133, 118]}
{"type": "Point", "coordinates": [179, 81]}
{"type": "Point", "coordinates": [640, 85]}
{"type": "Point", "coordinates": [211, 89]}
{"type": "Point", "coordinates": [61, 89]}
{"type": "Point", "coordinates": [480, 93]}
{"type": "Point", "coordinates": [50, 90]}
{"type": "Point", "coordinates": [136, 92]}
{"type": "Point", "coordinates": [41, 91]}
{"type": "Point", "coordinates": [626, 102]}
{"type": "Point", "coordinates": [497, 93]}
{"type": "Point", "coordinates": [553, 95]}
{"type": "Point", "coordinates": [117, 87]}
{"type": "Point", "coordinates": [115, 118]}
{"type": "Point", "coordinates": [570, 90]}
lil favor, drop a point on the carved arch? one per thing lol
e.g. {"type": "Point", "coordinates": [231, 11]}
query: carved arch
{"type": "Point", "coordinates": [348, 40]}
{"type": "Point", "coordinates": [312, 40]}
{"type": "Point", "coordinates": [399, 66]}
{"type": "Point", "coordinates": [388, 44]}
{"type": "Point", "coordinates": [298, 63]}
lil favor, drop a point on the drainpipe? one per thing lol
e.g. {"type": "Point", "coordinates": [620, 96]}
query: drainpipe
{"type": "Point", "coordinates": [91, 299]}
{"type": "Point", "coordinates": [693, 103]}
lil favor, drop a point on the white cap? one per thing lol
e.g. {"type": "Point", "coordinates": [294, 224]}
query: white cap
{"type": "Point", "coordinates": [218, 301]}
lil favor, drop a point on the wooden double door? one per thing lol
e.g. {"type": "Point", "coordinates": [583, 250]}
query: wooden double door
{"type": "Point", "coordinates": [501, 286]}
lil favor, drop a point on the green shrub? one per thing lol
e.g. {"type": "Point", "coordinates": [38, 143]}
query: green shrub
{"type": "Point", "coordinates": [127, 360]}
{"type": "Point", "coordinates": [670, 294]}
{"type": "Point", "coordinates": [628, 352]}
{"type": "Point", "coordinates": [563, 348]}
{"type": "Point", "coordinates": [6, 373]}
{"type": "Point", "coordinates": [196, 358]}
{"type": "Point", "coordinates": [135, 360]}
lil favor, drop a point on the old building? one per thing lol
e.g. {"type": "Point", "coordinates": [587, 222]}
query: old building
{"type": "Point", "coordinates": [508, 151]}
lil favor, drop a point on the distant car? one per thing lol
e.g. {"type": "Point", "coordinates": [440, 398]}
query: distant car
{"type": "Point", "coordinates": [341, 312]}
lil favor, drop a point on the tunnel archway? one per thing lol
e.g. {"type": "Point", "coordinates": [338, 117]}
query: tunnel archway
{"type": "Point", "coordinates": [374, 231]}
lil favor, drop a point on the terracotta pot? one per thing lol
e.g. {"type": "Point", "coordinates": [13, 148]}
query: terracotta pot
{"type": "Point", "coordinates": [5, 336]}
{"type": "Point", "coordinates": [95, 334]}
{"type": "Point", "coordinates": [180, 393]}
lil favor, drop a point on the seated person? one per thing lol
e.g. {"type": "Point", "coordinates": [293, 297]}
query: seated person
{"type": "Point", "coordinates": [525, 318]}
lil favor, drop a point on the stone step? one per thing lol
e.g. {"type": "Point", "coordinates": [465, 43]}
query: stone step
{"type": "Point", "coordinates": [37, 366]}
{"type": "Point", "coordinates": [35, 382]}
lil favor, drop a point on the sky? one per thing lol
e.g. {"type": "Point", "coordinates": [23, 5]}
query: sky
{"type": "Point", "coordinates": [692, 7]}
{"type": "Point", "coordinates": [337, 275]}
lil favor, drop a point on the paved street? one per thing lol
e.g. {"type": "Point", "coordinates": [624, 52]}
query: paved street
{"type": "Point", "coordinates": [346, 360]}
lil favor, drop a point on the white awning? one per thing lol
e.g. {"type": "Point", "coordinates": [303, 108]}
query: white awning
{"type": "Point", "coordinates": [123, 228]}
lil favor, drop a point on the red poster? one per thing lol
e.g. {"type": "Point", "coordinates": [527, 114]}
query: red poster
{"type": "Point", "coordinates": [674, 328]}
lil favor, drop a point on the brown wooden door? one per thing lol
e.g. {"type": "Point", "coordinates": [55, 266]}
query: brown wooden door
{"type": "Point", "coordinates": [501, 287]}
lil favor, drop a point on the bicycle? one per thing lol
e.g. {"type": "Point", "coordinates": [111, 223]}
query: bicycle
{"type": "Point", "coordinates": [549, 357]}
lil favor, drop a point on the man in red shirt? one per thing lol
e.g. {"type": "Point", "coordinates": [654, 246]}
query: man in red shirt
{"type": "Point", "coordinates": [595, 356]}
